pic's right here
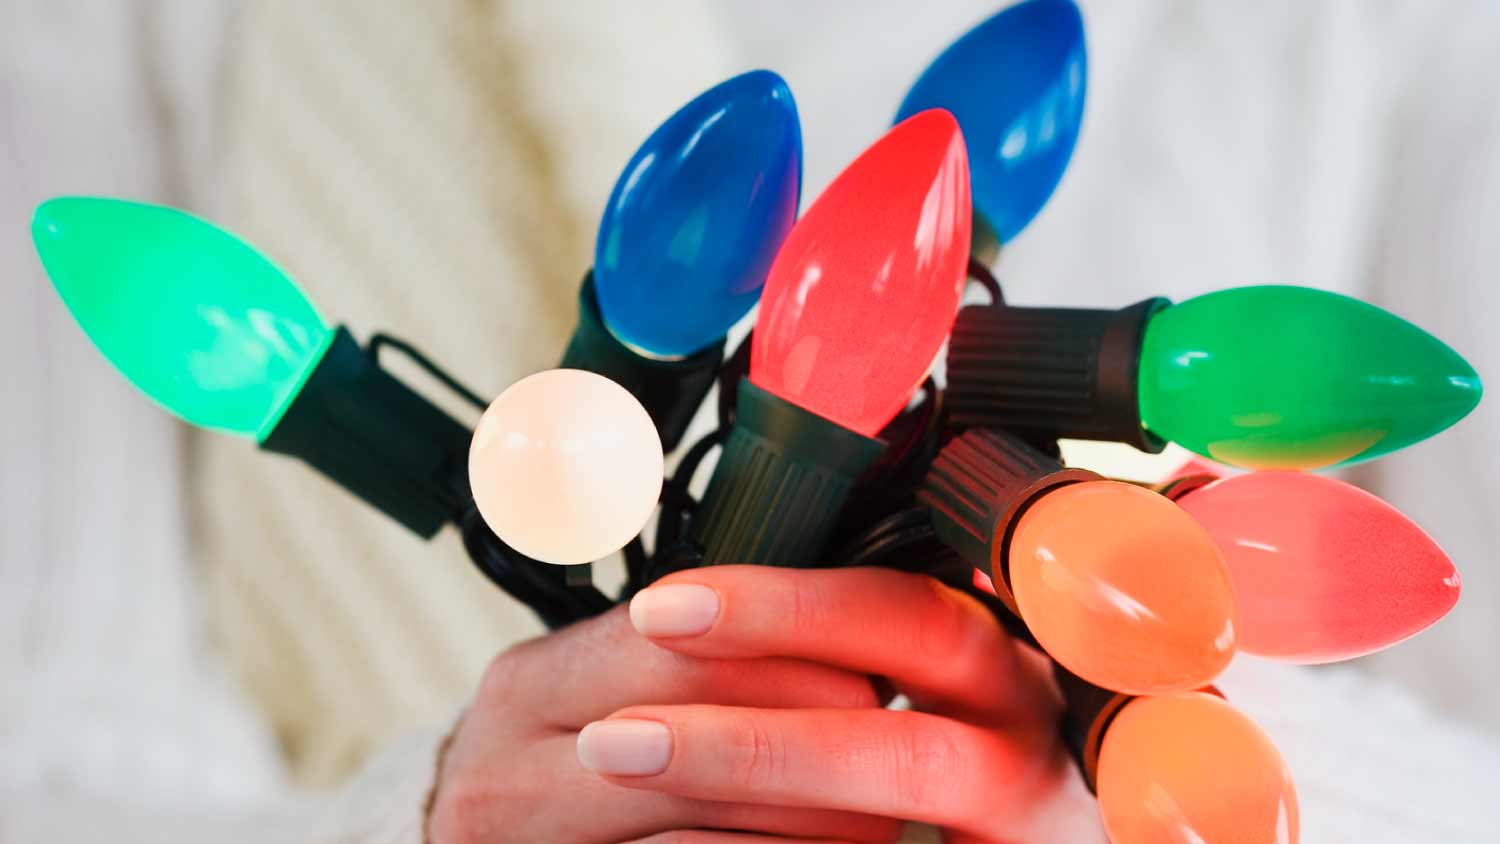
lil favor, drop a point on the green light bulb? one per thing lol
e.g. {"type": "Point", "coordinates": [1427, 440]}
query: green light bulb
{"type": "Point", "coordinates": [193, 316]}
{"type": "Point", "coordinates": [1296, 378]}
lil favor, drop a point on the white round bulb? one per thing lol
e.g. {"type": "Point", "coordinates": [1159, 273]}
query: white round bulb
{"type": "Point", "coordinates": [566, 466]}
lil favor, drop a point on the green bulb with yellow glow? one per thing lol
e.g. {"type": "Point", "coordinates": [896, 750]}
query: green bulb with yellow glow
{"type": "Point", "coordinates": [1266, 377]}
{"type": "Point", "coordinates": [1280, 377]}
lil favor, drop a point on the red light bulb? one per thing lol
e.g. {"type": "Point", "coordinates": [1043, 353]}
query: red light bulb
{"type": "Point", "coordinates": [1322, 570]}
{"type": "Point", "coordinates": [865, 288]}
{"type": "Point", "coordinates": [856, 305]}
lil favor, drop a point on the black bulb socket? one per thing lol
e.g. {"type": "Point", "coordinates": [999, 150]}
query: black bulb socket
{"type": "Point", "coordinates": [1049, 373]}
{"type": "Point", "coordinates": [1088, 712]}
{"type": "Point", "coordinates": [671, 390]}
{"type": "Point", "coordinates": [377, 438]}
{"type": "Point", "coordinates": [980, 487]}
{"type": "Point", "coordinates": [782, 480]}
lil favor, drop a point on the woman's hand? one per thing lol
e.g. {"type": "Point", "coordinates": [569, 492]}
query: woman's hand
{"type": "Point", "coordinates": [981, 758]}
{"type": "Point", "coordinates": [512, 774]}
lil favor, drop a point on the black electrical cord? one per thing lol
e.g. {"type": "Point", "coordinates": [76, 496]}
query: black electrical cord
{"type": "Point", "coordinates": [735, 367]}
{"type": "Point", "coordinates": [501, 566]}
{"type": "Point", "coordinates": [676, 501]}
{"type": "Point", "coordinates": [380, 340]}
{"type": "Point", "coordinates": [540, 586]}
{"type": "Point", "coordinates": [636, 561]}
{"type": "Point", "coordinates": [982, 274]}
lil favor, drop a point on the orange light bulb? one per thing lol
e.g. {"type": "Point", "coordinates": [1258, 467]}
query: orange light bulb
{"type": "Point", "coordinates": [1189, 768]}
{"type": "Point", "coordinates": [1123, 588]}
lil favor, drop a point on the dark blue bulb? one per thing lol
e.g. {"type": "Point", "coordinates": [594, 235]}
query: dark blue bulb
{"type": "Point", "coordinates": [698, 215]}
{"type": "Point", "coordinates": [1016, 84]}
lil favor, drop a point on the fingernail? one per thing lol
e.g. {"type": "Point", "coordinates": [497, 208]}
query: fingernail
{"type": "Point", "coordinates": [674, 609]}
{"type": "Point", "coordinates": [623, 747]}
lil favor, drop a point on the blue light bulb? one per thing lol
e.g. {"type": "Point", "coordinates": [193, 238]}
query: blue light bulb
{"type": "Point", "coordinates": [698, 215]}
{"type": "Point", "coordinates": [1016, 84]}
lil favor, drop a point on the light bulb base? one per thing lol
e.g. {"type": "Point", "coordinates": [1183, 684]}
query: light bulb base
{"type": "Point", "coordinates": [1088, 711]}
{"type": "Point", "coordinates": [1051, 372]}
{"type": "Point", "coordinates": [377, 438]}
{"type": "Point", "coordinates": [977, 490]}
{"type": "Point", "coordinates": [781, 482]}
{"type": "Point", "coordinates": [670, 390]}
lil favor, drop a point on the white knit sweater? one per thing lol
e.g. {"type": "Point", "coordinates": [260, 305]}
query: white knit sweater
{"type": "Point", "coordinates": [181, 649]}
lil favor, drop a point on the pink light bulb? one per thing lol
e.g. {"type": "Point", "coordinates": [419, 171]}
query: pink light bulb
{"type": "Point", "coordinates": [1322, 570]}
{"type": "Point", "coordinates": [565, 466]}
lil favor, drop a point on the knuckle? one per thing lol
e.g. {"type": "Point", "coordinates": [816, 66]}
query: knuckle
{"type": "Point", "coordinates": [951, 632]}
{"type": "Point", "coordinates": [945, 623]}
{"type": "Point", "coordinates": [758, 754]}
{"type": "Point", "coordinates": [807, 606]}
{"type": "Point", "coordinates": [926, 762]}
{"type": "Point", "coordinates": [464, 813]}
{"type": "Point", "coordinates": [478, 804]}
{"type": "Point", "coordinates": [502, 677]}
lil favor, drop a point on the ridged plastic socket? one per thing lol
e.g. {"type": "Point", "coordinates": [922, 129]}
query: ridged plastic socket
{"type": "Point", "coordinates": [377, 438]}
{"type": "Point", "coordinates": [780, 485]}
{"type": "Point", "coordinates": [1050, 372]}
{"type": "Point", "coordinates": [670, 390]}
{"type": "Point", "coordinates": [979, 487]}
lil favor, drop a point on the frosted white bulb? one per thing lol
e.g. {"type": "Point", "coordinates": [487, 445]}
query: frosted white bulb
{"type": "Point", "coordinates": [565, 466]}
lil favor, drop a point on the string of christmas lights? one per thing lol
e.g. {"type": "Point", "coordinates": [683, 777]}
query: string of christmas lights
{"type": "Point", "coordinates": [837, 448]}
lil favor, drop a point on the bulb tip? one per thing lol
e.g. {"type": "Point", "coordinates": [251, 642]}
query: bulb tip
{"type": "Point", "coordinates": [53, 226]}
{"type": "Point", "coordinates": [47, 220]}
{"type": "Point", "coordinates": [762, 79]}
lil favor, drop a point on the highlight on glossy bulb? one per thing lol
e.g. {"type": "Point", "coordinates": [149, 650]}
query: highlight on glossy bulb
{"type": "Point", "coordinates": [1322, 570]}
{"type": "Point", "coordinates": [1278, 377]}
{"type": "Point", "coordinates": [193, 316]}
{"type": "Point", "coordinates": [866, 286]}
{"type": "Point", "coordinates": [1123, 588]}
{"type": "Point", "coordinates": [1189, 768]}
{"type": "Point", "coordinates": [565, 466]}
{"type": "Point", "coordinates": [1016, 84]}
{"type": "Point", "coordinates": [698, 215]}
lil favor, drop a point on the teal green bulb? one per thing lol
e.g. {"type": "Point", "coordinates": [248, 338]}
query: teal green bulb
{"type": "Point", "coordinates": [192, 315]}
{"type": "Point", "coordinates": [1294, 378]}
